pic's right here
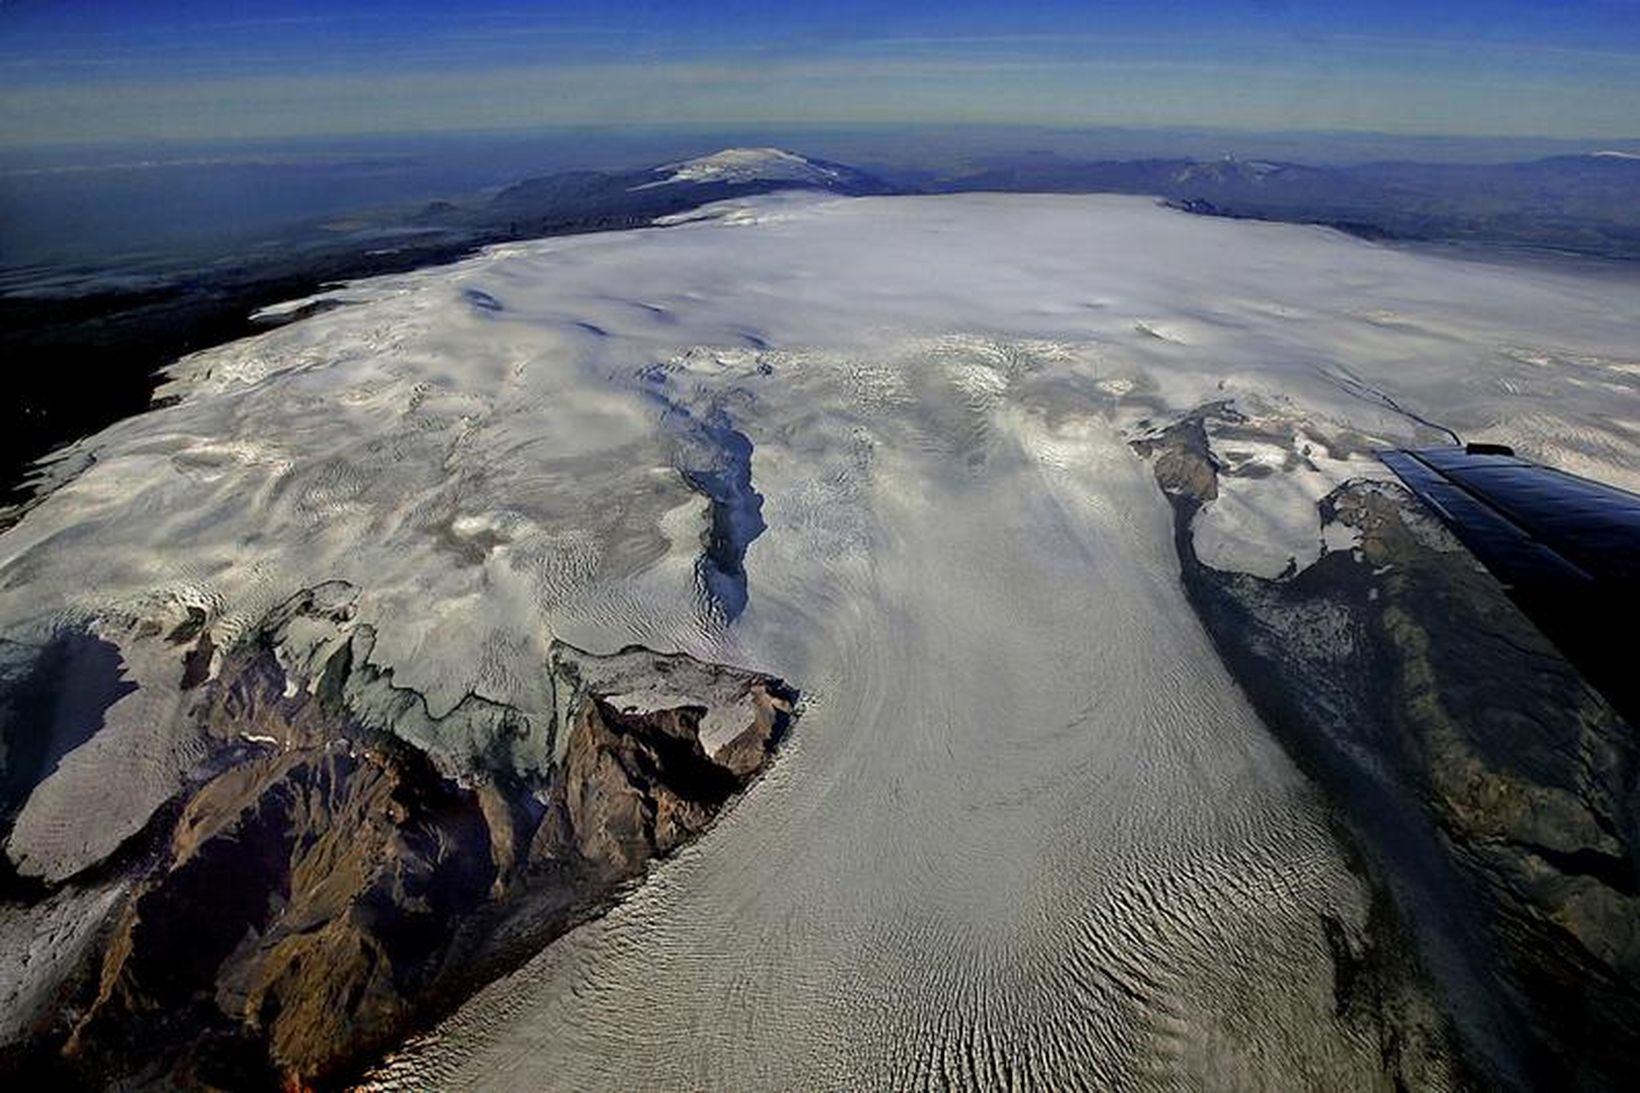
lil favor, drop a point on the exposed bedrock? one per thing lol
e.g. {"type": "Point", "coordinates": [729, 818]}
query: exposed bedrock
{"type": "Point", "coordinates": [1493, 791]}
{"type": "Point", "coordinates": [326, 885]}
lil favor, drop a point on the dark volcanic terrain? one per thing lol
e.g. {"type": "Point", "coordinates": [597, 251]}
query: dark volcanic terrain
{"type": "Point", "coordinates": [322, 888]}
{"type": "Point", "coordinates": [1494, 791]}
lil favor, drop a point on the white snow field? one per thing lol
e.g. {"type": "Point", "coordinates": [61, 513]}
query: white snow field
{"type": "Point", "coordinates": [1027, 831]}
{"type": "Point", "coordinates": [746, 165]}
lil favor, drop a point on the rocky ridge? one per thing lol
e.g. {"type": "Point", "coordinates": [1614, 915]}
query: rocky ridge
{"type": "Point", "coordinates": [326, 883]}
{"type": "Point", "coordinates": [1493, 790]}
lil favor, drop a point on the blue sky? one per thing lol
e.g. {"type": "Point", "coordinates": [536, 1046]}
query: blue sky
{"type": "Point", "coordinates": [187, 70]}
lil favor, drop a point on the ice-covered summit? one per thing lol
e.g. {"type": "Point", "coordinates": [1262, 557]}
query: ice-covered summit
{"type": "Point", "coordinates": [747, 165]}
{"type": "Point", "coordinates": [759, 165]}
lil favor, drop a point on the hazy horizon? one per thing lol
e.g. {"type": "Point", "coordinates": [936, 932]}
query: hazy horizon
{"type": "Point", "coordinates": [185, 70]}
{"type": "Point", "coordinates": [106, 202]}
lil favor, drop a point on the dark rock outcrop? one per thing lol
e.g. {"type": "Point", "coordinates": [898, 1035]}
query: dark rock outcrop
{"type": "Point", "coordinates": [1494, 792]}
{"type": "Point", "coordinates": [326, 886]}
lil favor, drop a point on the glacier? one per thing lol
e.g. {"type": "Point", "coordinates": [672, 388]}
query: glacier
{"type": "Point", "coordinates": [1030, 831]}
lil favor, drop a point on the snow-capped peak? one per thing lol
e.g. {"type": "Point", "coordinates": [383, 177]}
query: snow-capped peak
{"type": "Point", "coordinates": [749, 165]}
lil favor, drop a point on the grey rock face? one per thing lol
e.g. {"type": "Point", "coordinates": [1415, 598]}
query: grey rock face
{"type": "Point", "coordinates": [1493, 790]}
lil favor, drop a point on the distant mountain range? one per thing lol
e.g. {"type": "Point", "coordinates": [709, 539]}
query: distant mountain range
{"type": "Point", "coordinates": [602, 199]}
{"type": "Point", "coordinates": [1584, 204]}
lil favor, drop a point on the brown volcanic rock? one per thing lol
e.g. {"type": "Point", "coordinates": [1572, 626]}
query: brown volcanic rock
{"type": "Point", "coordinates": [639, 783]}
{"type": "Point", "coordinates": [1181, 457]}
{"type": "Point", "coordinates": [323, 895]}
{"type": "Point", "coordinates": [638, 786]}
{"type": "Point", "coordinates": [302, 907]}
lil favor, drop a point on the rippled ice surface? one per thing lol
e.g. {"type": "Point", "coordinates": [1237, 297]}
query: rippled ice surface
{"type": "Point", "coordinates": [1027, 830]}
